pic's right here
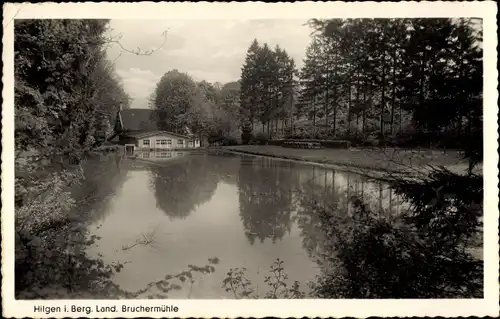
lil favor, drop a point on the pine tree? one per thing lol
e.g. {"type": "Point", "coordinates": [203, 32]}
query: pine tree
{"type": "Point", "coordinates": [249, 85]}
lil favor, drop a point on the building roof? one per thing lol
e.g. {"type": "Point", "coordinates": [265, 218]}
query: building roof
{"type": "Point", "coordinates": [138, 120]}
{"type": "Point", "coordinates": [153, 133]}
{"type": "Point", "coordinates": [145, 121]}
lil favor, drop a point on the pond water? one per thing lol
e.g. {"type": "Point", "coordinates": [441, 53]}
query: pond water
{"type": "Point", "coordinates": [168, 210]}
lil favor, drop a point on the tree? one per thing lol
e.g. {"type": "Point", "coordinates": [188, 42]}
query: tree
{"type": "Point", "coordinates": [175, 100]}
{"type": "Point", "coordinates": [249, 84]}
{"type": "Point", "coordinates": [267, 86]}
{"type": "Point", "coordinates": [311, 76]}
{"type": "Point", "coordinates": [383, 71]}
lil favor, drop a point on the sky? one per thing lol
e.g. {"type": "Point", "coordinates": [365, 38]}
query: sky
{"type": "Point", "coordinates": [211, 50]}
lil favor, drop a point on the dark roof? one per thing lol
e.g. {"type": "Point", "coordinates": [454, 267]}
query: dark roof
{"type": "Point", "coordinates": [153, 133]}
{"type": "Point", "coordinates": [138, 119]}
{"type": "Point", "coordinates": [144, 120]}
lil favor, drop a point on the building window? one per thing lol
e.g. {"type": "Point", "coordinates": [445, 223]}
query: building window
{"type": "Point", "coordinates": [161, 142]}
{"type": "Point", "coordinates": [169, 142]}
{"type": "Point", "coordinates": [180, 142]}
{"type": "Point", "coordinates": [145, 142]}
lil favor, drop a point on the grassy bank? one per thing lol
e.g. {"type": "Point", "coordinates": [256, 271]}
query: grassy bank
{"type": "Point", "coordinates": [388, 160]}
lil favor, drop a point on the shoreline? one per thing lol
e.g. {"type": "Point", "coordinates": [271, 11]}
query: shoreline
{"type": "Point", "coordinates": [353, 166]}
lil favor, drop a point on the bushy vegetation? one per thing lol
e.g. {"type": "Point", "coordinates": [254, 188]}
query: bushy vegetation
{"type": "Point", "coordinates": [66, 95]}
{"type": "Point", "coordinates": [421, 254]}
{"type": "Point", "coordinates": [261, 138]}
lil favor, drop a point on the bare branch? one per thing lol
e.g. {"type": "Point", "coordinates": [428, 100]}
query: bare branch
{"type": "Point", "coordinates": [138, 50]}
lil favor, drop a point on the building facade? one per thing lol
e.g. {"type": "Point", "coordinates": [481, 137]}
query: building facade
{"type": "Point", "coordinates": [160, 140]}
{"type": "Point", "coordinates": [137, 130]}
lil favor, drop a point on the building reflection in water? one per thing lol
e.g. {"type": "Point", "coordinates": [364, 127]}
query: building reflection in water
{"type": "Point", "coordinates": [159, 155]}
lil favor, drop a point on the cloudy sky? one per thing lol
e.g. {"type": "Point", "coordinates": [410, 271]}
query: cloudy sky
{"type": "Point", "coordinates": [211, 50]}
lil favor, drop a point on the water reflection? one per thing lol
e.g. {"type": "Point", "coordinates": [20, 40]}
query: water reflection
{"type": "Point", "coordinates": [246, 210]}
{"type": "Point", "coordinates": [265, 198]}
{"type": "Point", "coordinates": [159, 155]}
{"type": "Point", "coordinates": [103, 178]}
{"type": "Point", "coordinates": [181, 186]}
{"type": "Point", "coordinates": [275, 195]}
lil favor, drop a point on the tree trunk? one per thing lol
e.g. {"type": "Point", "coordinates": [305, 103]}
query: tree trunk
{"type": "Point", "coordinates": [382, 102]}
{"type": "Point", "coordinates": [326, 90]}
{"type": "Point", "coordinates": [349, 110]}
{"type": "Point", "coordinates": [380, 198]}
{"type": "Point", "coordinates": [314, 116]}
{"type": "Point", "coordinates": [422, 82]}
{"type": "Point", "coordinates": [335, 111]}
{"type": "Point", "coordinates": [357, 103]}
{"type": "Point", "coordinates": [400, 119]}
{"type": "Point", "coordinates": [335, 105]}
{"type": "Point", "coordinates": [393, 104]}
{"type": "Point", "coordinates": [364, 111]}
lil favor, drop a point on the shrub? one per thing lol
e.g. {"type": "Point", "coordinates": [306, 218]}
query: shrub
{"type": "Point", "coordinates": [321, 135]}
{"type": "Point", "coordinates": [276, 142]}
{"type": "Point", "coordinates": [335, 144]}
{"type": "Point", "coordinates": [262, 138]}
{"type": "Point", "coordinates": [229, 141]}
{"type": "Point", "coordinates": [247, 138]}
{"type": "Point", "coordinates": [300, 135]}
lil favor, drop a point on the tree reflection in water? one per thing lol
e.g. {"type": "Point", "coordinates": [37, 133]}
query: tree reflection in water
{"type": "Point", "coordinates": [369, 251]}
{"type": "Point", "coordinates": [265, 198]}
{"type": "Point", "coordinates": [371, 239]}
{"type": "Point", "coordinates": [182, 185]}
{"type": "Point", "coordinates": [367, 244]}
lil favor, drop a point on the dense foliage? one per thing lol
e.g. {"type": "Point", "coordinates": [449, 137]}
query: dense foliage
{"type": "Point", "coordinates": [267, 81]}
{"type": "Point", "coordinates": [422, 253]}
{"type": "Point", "coordinates": [203, 107]}
{"type": "Point", "coordinates": [66, 92]}
{"type": "Point", "coordinates": [412, 82]}
{"type": "Point", "coordinates": [413, 77]}
{"type": "Point", "coordinates": [66, 98]}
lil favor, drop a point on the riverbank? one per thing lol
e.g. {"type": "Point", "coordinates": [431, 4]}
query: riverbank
{"type": "Point", "coordinates": [357, 159]}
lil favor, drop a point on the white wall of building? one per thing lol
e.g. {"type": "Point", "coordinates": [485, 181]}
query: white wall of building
{"type": "Point", "coordinates": [166, 141]}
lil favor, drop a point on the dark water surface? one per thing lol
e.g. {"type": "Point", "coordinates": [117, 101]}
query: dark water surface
{"type": "Point", "coordinates": [169, 210]}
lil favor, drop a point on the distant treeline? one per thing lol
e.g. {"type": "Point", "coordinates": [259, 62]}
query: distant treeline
{"type": "Point", "coordinates": [393, 79]}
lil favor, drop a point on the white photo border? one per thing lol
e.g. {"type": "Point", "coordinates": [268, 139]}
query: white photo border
{"type": "Point", "coordinates": [488, 306]}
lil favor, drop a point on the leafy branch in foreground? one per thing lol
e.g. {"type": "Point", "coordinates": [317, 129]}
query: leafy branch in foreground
{"type": "Point", "coordinates": [238, 283]}
{"type": "Point", "coordinates": [165, 285]}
